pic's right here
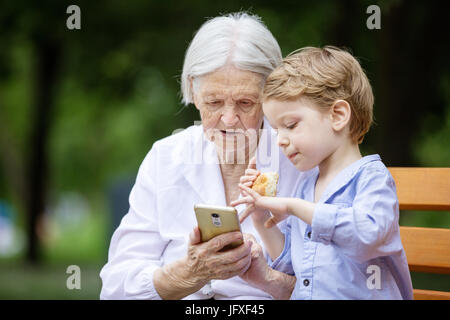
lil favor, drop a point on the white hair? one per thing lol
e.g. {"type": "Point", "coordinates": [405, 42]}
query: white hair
{"type": "Point", "coordinates": [239, 39]}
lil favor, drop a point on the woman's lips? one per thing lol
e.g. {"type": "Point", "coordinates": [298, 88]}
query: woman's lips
{"type": "Point", "coordinates": [228, 132]}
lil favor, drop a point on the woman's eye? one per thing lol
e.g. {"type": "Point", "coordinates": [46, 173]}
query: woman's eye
{"type": "Point", "coordinates": [245, 104]}
{"type": "Point", "coordinates": [214, 104]}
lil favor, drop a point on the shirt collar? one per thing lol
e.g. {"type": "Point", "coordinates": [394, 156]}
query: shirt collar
{"type": "Point", "coordinates": [343, 177]}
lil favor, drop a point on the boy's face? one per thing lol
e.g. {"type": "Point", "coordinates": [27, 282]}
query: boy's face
{"type": "Point", "coordinates": [305, 133]}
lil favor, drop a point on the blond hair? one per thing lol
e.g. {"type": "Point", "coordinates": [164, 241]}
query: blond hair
{"type": "Point", "coordinates": [325, 75]}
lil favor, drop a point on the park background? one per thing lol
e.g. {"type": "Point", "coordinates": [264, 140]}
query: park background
{"type": "Point", "coordinates": [80, 109]}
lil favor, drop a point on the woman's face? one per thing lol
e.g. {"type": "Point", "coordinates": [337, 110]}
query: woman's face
{"type": "Point", "coordinates": [230, 107]}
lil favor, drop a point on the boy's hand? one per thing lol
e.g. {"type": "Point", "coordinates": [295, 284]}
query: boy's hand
{"type": "Point", "coordinates": [250, 174]}
{"type": "Point", "coordinates": [277, 206]}
{"type": "Point", "coordinates": [258, 215]}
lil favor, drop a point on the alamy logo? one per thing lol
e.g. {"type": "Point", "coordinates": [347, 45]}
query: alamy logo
{"type": "Point", "coordinates": [73, 281]}
{"type": "Point", "coordinates": [374, 20]}
{"type": "Point", "coordinates": [374, 280]}
{"type": "Point", "coordinates": [74, 20]}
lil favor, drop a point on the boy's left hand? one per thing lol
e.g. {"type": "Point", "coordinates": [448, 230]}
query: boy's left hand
{"type": "Point", "coordinates": [276, 206]}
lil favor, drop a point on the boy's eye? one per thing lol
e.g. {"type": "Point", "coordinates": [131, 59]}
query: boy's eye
{"type": "Point", "coordinates": [292, 126]}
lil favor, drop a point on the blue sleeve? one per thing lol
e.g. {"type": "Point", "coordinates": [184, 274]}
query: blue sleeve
{"type": "Point", "coordinates": [284, 263]}
{"type": "Point", "coordinates": [369, 227]}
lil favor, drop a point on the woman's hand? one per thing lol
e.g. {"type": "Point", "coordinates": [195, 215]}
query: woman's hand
{"type": "Point", "coordinates": [278, 284]}
{"type": "Point", "coordinates": [205, 261]}
{"type": "Point", "coordinates": [277, 206]}
{"type": "Point", "coordinates": [202, 263]}
{"type": "Point", "coordinates": [259, 269]}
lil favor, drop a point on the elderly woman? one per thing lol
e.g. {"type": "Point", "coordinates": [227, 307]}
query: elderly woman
{"type": "Point", "coordinates": [154, 253]}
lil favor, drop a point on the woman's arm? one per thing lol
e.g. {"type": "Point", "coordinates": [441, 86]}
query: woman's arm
{"type": "Point", "coordinates": [135, 268]}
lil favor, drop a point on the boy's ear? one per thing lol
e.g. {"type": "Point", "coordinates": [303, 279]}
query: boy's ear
{"type": "Point", "coordinates": [340, 113]}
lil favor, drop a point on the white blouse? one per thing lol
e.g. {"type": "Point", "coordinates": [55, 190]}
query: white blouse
{"type": "Point", "coordinates": [180, 171]}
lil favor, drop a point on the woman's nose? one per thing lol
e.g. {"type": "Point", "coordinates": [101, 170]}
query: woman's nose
{"type": "Point", "coordinates": [230, 116]}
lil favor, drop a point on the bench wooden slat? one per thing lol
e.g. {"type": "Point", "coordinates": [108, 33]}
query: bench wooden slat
{"type": "Point", "coordinates": [427, 249]}
{"type": "Point", "coordinates": [430, 295]}
{"type": "Point", "coordinates": [422, 188]}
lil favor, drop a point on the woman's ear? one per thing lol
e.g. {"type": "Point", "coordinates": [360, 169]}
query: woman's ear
{"type": "Point", "coordinates": [340, 113]}
{"type": "Point", "coordinates": [194, 96]}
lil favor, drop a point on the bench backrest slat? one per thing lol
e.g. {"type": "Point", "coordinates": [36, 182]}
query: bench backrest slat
{"type": "Point", "coordinates": [430, 295]}
{"type": "Point", "coordinates": [427, 249]}
{"type": "Point", "coordinates": [422, 188]}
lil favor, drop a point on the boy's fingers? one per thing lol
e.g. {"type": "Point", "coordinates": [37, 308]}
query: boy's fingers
{"type": "Point", "coordinates": [244, 179]}
{"type": "Point", "coordinates": [248, 211]}
{"type": "Point", "coordinates": [251, 172]}
{"type": "Point", "coordinates": [249, 191]}
{"type": "Point", "coordinates": [252, 163]}
{"type": "Point", "coordinates": [241, 201]}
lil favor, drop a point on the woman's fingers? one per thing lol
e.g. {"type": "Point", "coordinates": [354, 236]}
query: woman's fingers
{"type": "Point", "coordinates": [236, 261]}
{"type": "Point", "coordinates": [271, 222]}
{"type": "Point", "coordinates": [194, 236]}
{"type": "Point", "coordinates": [209, 262]}
{"type": "Point", "coordinates": [219, 242]}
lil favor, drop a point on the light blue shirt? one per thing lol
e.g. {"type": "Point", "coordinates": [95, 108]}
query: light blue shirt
{"type": "Point", "coordinates": [352, 249]}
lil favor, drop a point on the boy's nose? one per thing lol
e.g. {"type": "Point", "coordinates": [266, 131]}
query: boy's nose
{"type": "Point", "coordinates": [282, 140]}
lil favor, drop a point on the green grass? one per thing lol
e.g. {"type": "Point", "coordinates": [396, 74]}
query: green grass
{"type": "Point", "coordinates": [20, 281]}
{"type": "Point", "coordinates": [84, 245]}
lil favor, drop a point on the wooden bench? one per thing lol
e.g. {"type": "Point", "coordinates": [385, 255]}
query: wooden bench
{"type": "Point", "coordinates": [427, 249]}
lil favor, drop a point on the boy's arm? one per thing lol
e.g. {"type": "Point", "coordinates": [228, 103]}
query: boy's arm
{"type": "Point", "coordinates": [300, 208]}
{"type": "Point", "coordinates": [367, 227]}
{"type": "Point", "coordinates": [281, 208]}
{"type": "Point", "coordinates": [272, 238]}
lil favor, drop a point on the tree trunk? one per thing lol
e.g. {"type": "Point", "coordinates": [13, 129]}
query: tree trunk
{"type": "Point", "coordinates": [48, 57]}
{"type": "Point", "coordinates": [407, 83]}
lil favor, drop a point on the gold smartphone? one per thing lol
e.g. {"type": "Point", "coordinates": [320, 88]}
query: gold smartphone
{"type": "Point", "coordinates": [215, 220]}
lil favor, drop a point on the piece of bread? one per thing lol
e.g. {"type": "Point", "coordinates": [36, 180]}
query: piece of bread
{"type": "Point", "coordinates": [266, 184]}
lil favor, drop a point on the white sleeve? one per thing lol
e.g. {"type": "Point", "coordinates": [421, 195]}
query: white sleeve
{"type": "Point", "coordinates": [136, 246]}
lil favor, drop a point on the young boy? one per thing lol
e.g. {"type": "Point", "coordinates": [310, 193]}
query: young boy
{"type": "Point", "coordinates": [342, 239]}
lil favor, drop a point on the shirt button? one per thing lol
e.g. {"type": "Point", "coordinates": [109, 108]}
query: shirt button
{"type": "Point", "coordinates": [306, 282]}
{"type": "Point", "coordinates": [207, 290]}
